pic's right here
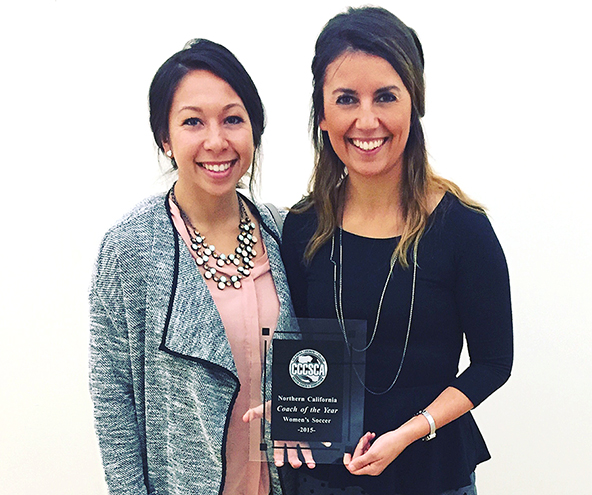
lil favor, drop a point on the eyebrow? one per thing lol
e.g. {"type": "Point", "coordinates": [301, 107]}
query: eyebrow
{"type": "Point", "coordinates": [388, 88]}
{"type": "Point", "coordinates": [349, 91]}
{"type": "Point", "coordinates": [198, 109]}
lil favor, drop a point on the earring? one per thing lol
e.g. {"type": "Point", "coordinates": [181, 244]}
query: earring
{"type": "Point", "coordinates": [169, 153]}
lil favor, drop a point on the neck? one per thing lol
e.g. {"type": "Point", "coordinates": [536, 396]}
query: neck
{"type": "Point", "coordinates": [372, 207]}
{"type": "Point", "coordinates": [207, 212]}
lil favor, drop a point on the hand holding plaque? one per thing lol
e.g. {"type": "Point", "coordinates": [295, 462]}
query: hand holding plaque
{"type": "Point", "coordinates": [282, 449]}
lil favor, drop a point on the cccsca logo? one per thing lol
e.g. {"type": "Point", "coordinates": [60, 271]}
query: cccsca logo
{"type": "Point", "coordinates": [308, 368]}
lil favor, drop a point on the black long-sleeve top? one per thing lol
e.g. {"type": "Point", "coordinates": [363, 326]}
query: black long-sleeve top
{"type": "Point", "coordinates": [462, 288]}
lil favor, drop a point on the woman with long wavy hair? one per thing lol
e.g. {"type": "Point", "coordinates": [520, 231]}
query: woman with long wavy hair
{"type": "Point", "coordinates": [381, 238]}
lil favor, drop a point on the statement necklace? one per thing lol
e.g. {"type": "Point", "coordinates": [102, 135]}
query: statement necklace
{"type": "Point", "coordinates": [243, 255]}
{"type": "Point", "coordinates": [337, 296]}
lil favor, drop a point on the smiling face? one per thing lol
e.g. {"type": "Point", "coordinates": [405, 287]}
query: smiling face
{"type": "Point", "coordinates": [210, 134]}
{"type": "Point", "coordinates": [367, 114]}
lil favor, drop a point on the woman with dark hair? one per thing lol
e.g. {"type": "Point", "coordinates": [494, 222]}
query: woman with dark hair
{"type": "Point", "coordinates": [381, 238]}
{"type": "Point", "coordinates": [182, 287]}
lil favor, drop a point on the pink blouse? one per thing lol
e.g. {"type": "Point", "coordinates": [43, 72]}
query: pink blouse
{"type": "Point", "coordinates": [244, 313]}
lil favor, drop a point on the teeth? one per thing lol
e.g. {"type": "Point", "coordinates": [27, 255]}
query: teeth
{"type": "Point", "coordinates": [217, 167]}
{"type": "Point", "coordinates": [367, 145]}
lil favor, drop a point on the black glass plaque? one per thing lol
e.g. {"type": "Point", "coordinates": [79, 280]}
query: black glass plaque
{"type": "Point", "coordinates": [317, 391]}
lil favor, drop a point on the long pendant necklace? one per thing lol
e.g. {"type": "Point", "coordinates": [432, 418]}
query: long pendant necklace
{"type": "Point", "coordinates": [337, 296]}
{"type": "Point", "coordinates": [243, 255]}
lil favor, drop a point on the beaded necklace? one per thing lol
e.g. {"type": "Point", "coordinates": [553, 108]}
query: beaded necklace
{"type": "Point", "coordinates": [208, 259]}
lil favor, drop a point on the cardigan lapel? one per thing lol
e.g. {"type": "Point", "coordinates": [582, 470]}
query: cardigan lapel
{"type": "Point", "coordinates": [195, 330]}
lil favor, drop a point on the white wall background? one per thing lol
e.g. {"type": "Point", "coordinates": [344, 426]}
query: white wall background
{"type": "Point", "coordinates": [508, 118]}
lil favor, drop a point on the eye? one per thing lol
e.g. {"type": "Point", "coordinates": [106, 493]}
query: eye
{"type": "Point", "coordinates": [234, 120]}
{"type": "Point", "coordinates": [345, 100]}
{"type": "Point", "coordinates": [192, 121]}
{"type": "Point", "coordinates": [386, 98]}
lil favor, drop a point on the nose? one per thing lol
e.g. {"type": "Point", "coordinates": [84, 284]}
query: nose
{"type": "Point", "coordinates": [215, 139]}
{"type": "Point", "coordinates": [366, 118]}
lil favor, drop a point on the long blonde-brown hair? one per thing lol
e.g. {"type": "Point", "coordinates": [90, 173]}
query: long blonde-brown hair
{"type": "Point", "coordinates": [374, 31]}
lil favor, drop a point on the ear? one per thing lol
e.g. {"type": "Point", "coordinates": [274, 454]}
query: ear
{"type": "Point", "coordinates": [323, 125]}
{"type": "Point", "coordinates": [166, 147]}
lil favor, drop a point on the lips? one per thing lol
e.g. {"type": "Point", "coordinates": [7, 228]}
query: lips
{"type": "Point", "coordinates": [367, 144]}
{"type": "Point", "coordinates": [217, 166]}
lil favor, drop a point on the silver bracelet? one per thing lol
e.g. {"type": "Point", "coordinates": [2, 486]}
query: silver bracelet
{"type": "Point", "coordinates": [428, 416]}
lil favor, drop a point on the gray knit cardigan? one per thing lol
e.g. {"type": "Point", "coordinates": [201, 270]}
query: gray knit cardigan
{"type": "Point", "coordinates": [162, 376]}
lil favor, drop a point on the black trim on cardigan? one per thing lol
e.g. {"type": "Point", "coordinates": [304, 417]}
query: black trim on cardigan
{"type": "Point", "coordinates": [175, 278]}
{"type": "Point", "coordinates": [225, 439]}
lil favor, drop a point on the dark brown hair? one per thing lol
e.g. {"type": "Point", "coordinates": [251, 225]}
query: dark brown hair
{"type": "Point", "coordinates": [374, 31]}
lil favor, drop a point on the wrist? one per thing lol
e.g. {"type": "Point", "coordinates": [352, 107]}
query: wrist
{"type": "Point", "coordinates": [414, 429]}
